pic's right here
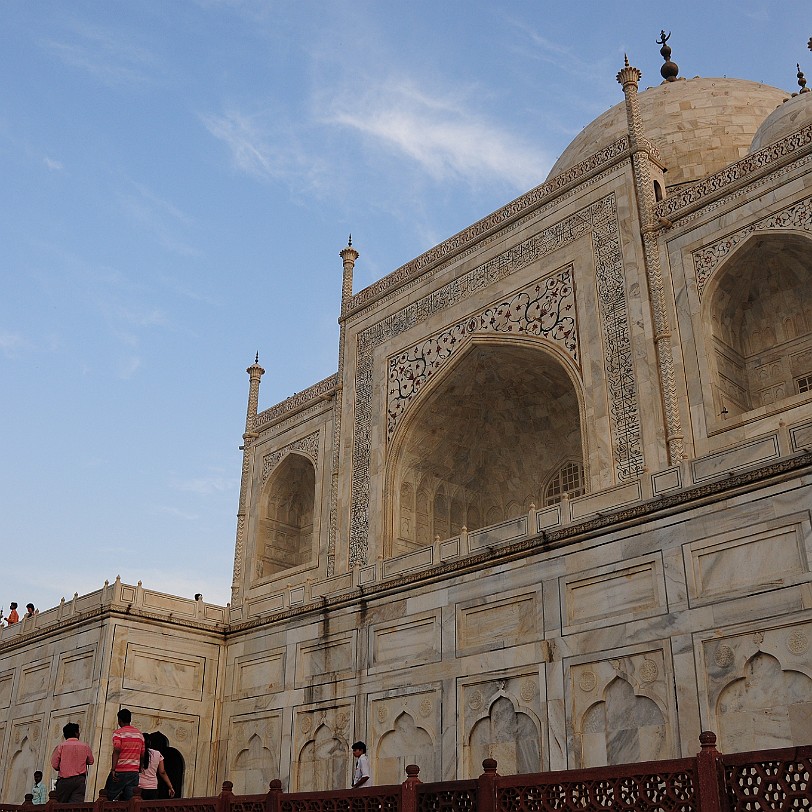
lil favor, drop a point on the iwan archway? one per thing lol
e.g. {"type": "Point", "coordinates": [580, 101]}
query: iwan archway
{"type": "Point", "coordinates": [497, 430]}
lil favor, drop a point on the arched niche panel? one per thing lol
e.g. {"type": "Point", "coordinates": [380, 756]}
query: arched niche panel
{"type": "Point", "coordinates": [483, 439]}
{"type": "Point", "coordinates": [323, 762]}
{"type": "Point", "coordinates": [508, 735]}
{"type": "Point", "coordinates": [406, 743]}
{"type": "Point", "coordinates": [285, 531]}
{"type": "Point", "coordinates": [759, 309]}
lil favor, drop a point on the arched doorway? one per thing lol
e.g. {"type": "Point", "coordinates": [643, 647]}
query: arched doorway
{"type": "Point", "coordinates": [483, 443]}
{"type": "Point", "coordinates": [173, 764]}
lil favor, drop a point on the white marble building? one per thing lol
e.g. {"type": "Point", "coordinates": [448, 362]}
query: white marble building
{"type": "Point", "coordinates": [553, 507]}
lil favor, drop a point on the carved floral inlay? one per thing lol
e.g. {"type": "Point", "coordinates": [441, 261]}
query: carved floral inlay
{"type": "Point", "coordinates": [546, 309]}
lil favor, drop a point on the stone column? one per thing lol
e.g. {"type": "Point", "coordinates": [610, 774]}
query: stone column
{"type": "Point", "coordinates": [348, 256]}
{"type": "Point", "coordinates": [628, 77]}
{"type": "Point", "coordinates": [255, 372]}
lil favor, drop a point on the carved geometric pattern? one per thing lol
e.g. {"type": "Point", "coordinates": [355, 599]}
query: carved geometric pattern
{"type": "Point", "coordinates": [430, 799]}
{"type": "Point", "coordinates": [318, 390]}
{"type": "Point", "coordinates": [735, 173]}
{"type": "Point", "coordinates": [414, 269]}
{"type": "Point", "coordinates": [546, 309]}
{"type": "Point", "coordinates": [770, 784]}
{"type": "Point", "coordinates": [641, 791]}
{"type": "Point", "coordinates": [797, 217]}
{"type": "Point", "coordinates": [309, 445]}
{"type": "Point", "coordinates": [598, 219]}
{"type": "Point", "coordinates": [368, 802]}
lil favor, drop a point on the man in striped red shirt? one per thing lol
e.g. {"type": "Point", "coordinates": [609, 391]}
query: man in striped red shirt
{"type": "Point", "coordinates": [128, 747]}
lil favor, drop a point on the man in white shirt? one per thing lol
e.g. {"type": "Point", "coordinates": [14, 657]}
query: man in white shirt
{"type": "Point", "coordinates": [361, 775]}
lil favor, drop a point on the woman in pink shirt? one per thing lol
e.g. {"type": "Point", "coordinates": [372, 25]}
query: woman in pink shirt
{"type": "Point", "coordinates": [152, 766]}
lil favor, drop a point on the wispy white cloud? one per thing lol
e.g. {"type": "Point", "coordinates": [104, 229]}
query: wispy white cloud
{"type": "Point", "coordinates": [160, 216]}
{"type": "Point", "coordinates": [51, 164]}
{"type": "Point", "coordinates": [11, 344]}
{"type": "Point", "coordinates": [262, 147]}
{"type": "Point", "coordinates": [440, 134]}
{"type": "Point", "coordinates": [205, 485]}
{"type": "Point", "coordinates": [127, 367]}
{"type": "Point", "coordinates": [177, 513]}
{"type": "Point", "coordinates": [108, 57]}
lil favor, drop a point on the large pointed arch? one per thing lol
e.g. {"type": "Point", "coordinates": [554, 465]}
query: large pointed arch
{"type": "Point", "coordinates": [758, 310]}
{"type": "Point", "coordinates": [285, 537]}
{"type": "Point", "coordinates": [482, 437]}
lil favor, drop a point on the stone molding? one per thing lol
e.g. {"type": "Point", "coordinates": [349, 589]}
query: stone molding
{"type": "Point", "coordinates": [307, 445]}
{"type": "Point", "coordinates": [317, 391]}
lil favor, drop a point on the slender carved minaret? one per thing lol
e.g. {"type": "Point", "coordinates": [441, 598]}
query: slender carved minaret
{"type": "Point", "coordinates": [255, 372]}
{"type": "Point", "coordinates": [348, 256]}
{"type": "Point", "coordinates": [629, 77]}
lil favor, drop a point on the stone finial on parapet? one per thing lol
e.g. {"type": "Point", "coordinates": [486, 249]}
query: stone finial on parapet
{"type": "Point", "coordinates": [669, 69]}
{"type": "Point", "coordinates": [628, 75]}
{"type": "Point", "coordinates": [348, 255]}
{"type": "Point", "coordinates": [255, 373]}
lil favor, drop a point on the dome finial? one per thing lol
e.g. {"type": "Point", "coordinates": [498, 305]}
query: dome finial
{"type": "Point", "coordinates": [669, 69]}
{"type": "Point", "coordinates": [349, 241]}
{"type": "Point", "coordinates": [801, 79]}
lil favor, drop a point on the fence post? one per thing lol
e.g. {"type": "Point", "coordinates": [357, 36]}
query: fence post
{"type": "Point", "coordinates": [273, 800]}
{"type": "Point", "coordinates": [486, 787]}
{"type": "Point", "coordinates": [225, 796]}
{"type": "Point", "coordinates": [408, 789]}
{"type": "Point", "coordinates": [134, 804]}
{"type": "Point", "coordinates": [707, 767]}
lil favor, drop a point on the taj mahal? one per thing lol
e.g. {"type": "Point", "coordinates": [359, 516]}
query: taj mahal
{"type": "Point", "coordinates": [554, 507]}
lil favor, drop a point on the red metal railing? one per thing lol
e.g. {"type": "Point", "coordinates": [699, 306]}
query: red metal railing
{"type": "Point", "coordinates": [759, 781]}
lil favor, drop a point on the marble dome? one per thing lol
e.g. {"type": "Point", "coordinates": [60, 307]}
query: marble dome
{"type": "Point", "coordinates": [699, 125]}
{"type": "Point", "coordinates": [790, 116]}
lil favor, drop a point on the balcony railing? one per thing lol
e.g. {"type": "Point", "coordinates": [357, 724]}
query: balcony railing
{"type": "Point", "coordinates": [758, 781]}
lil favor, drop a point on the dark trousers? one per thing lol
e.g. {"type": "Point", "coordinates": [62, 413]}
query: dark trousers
{"type": "Point", "coordinates": [120, 786]}
{"type": "Point", "coordinates": [71, 790]}
{"type": "Point", "coordinates": [149, 794]}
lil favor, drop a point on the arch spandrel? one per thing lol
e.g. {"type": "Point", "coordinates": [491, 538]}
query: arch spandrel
{"type": "Point", "coordinates": [485, 432]}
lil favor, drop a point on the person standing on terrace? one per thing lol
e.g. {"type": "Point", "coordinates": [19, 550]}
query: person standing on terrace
{"type": "Point", "coordinates": [361, 775]}
{"type": "Point", "coordinates": [128, 748]}
{"type": "Point", "coordinates": [13, 617]}
{"type": "Point", "coordinates": [71, 760]}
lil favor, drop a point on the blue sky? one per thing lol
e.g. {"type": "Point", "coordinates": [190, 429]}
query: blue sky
{"type": "Point", "coordinates": [177, 181]}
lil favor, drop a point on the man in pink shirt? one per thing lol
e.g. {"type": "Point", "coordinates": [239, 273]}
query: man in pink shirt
{"type": "Point", "coordinates": [128, 747]}
{"type": "Point", "coordinates": [70, 760]}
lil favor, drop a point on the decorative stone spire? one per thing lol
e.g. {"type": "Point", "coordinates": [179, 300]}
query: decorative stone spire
{"type": "Point", "coordinates": [628, 75]}
{"type": "Point", "coordinates": [349, 255]}
{"type": "Point", "coordinates": [255, 372]}
{"type": "Point", "coordinates": [801, 79]}
{"type": "Point", "coordinates": [670, 69]}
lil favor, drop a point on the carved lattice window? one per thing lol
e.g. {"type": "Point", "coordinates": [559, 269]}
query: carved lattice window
{"type": "Point", "coordinates": [568, 479]}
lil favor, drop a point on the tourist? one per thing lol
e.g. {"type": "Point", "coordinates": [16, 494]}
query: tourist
{"type": "Point", "coordinates": [71, 760]}
{"type": "Point", "coordinates": [13, 617]}
{"type": "Point", "coordinates": [128, 747]}
{"type": "Point", "coordinates": [39, 792]}
{"type": "Point", "coordinates": [30, 611]}
{"type": "Point", "coordinates": [152, 768]}
{"type": "Point", "coordinates": [361, 775]}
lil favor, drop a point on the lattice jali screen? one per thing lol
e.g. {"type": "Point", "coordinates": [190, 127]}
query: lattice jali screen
{"type": "Point", "coordinates": [326, 803]}
{"type": "Point", "coordinates": [661, 792]}
{"type": "Point", "coordinates": [770, 786]}
{"type": "Point", "coordinates": [248, 804]}
{"type": "Point", "coordinates": [436, 798]}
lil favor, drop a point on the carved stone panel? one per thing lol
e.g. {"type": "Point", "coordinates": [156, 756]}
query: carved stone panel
{"type": "Point", "coordinates": [405, 643]}
{"type": "Point", "coordinates": [322, 758]}
{"type": "Point", "coordinates": [74, 671]}
{"type": "Point", "coordinates": [164, 672]}
{"type": "Point", "coordinates": [759, 687]}
{"type": "Point", "coordinates": [405, 730]}
{"type": "Point", "coordinates": [498, 623]}
{"type": "Point", "coordinates": [257, 675]}
{"type": "Point", "coordinates": [6, 688]}
{"type": "Point", "coordinates": [324, 660]}
{"type": "Point", "coordinates": [621, 709]}
{"type": "Point", "coordinates": [254, 746]}
{"type": "Point", "coordinates": [35, 680]}
{"type": "Point", "coordinates": [499, 717]}
{"type": "Point", "coordinates": [759, 557]}
{"type": "Point", "coordinates": [23, 757]}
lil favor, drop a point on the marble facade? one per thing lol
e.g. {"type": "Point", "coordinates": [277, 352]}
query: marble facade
{"type": "Point", "coordinates": [553, 508]}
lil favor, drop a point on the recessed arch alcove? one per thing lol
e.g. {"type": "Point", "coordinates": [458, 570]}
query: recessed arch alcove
{"type": "Point", "coordinates": [285, 531]}
{"type": "Point", "coordinates": [483, 442]}
{"type": "Point", "coordinates": [759, 308]}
